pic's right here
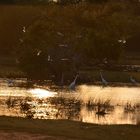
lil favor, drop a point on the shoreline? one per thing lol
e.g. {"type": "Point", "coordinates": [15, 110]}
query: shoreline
{"type": "Point", "coordinates": [43, 83]}
{"type": "Point", "coordinates": [69, 129]}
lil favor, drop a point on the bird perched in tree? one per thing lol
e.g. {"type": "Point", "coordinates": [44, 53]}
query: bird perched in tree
{"type": "Point", "coordinates": [24, 29]}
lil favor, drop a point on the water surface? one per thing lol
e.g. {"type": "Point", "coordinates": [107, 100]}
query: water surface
{"type": "Point", "coordinates": [93, 104]}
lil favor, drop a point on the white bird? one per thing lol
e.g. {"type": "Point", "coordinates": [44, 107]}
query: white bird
{"type": "Point", "coordinates": [38, 53]}
{"type": "Point", "coordinates": [24, 29]}
{"type": "Point", "coordinates": [73, 84]}
{"type": "Point", "coordinates": [122, 41]}
{"type": "Point", "coordinates": [49, 58]}
{"type": "Point", "coordinates": [133, 80]}
{"type": "Point", "coordinates": [60, 34]}
{"type": "Point", "coordinates": [104, 82]}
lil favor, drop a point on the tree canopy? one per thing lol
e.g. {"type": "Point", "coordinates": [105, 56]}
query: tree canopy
{"type": "Point", "coordinates": [66, 37]}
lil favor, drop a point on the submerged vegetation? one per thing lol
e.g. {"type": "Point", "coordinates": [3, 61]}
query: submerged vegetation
{"type": "Point", "coordinates": [65, 108]}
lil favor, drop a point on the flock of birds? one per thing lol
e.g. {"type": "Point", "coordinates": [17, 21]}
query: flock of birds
{"type": "Point", "coordinates": [72, 85]}
{"type": "Point", "coordinates": [103, 81]}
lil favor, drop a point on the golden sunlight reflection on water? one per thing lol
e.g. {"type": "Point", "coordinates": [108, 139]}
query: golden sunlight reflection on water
{"type": "Point", "coordinates": [42, 93]}
{"type": "Point", "coordinates": [117, 116]}
{"type": "Point", "coordinates": [117, 95]}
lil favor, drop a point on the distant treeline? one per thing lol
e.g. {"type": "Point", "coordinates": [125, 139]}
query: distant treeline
{"type": "Point", "coordinates": [21, 1]}
{"type": "Point", "coordinates": [56, 1]}
{"type": "Point", "coordinates": [65, 39]}
{"type": "Point", "coordinates": [52, 39]}
{"type": "Point", "coordinates": [14, 17]}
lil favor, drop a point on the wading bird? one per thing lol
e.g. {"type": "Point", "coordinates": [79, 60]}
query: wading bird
{"type": "Point", "coordinates": [133, 80]}
{"type": "Point", "coordinates": [104, 82]}
{"type": "Point", "coordinates": [73, 84]}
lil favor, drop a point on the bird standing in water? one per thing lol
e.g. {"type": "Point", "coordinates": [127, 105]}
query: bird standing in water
{"type": "Point", "coordinates": [133, 80]}
{"type": "Point", "coordinates": [104, 82]}
{"type": "Point", "coordinates": [73, 84]}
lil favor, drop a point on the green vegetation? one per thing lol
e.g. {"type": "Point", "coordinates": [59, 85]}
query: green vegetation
{"type": "Point", "coordinates": [70, 129]}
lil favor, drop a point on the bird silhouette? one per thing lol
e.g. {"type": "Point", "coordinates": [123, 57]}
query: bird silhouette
{"type": "Point", "coordinates": [104, 82]}
{"type": "Point", "coordinates": [73, 84]}
{"type": "Point", "coordinates": [10, 82]}
{"type": "Point", "coordinates": [133, 80]}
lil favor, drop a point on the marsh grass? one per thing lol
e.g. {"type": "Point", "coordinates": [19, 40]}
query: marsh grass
{"type": "Point", "coordinates": [24, 105]}
{"type": "Point", "coordinates": [68, 108]}
{"type": "Point", "coordinates": [131, 108]}
{"type": "Point", "coordinates": [100, 107]}
{"type": "Point", "coordinates": [11, 103]}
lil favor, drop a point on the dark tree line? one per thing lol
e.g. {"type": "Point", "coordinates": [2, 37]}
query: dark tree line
{"type": "Point", "coordinates": [58, 1]}
{"type": "Point", "coordinates": [65, 38]}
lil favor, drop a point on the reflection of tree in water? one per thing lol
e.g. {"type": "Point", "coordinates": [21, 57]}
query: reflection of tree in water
{"type": "Point", "coordinates": [56, 108]}
{"type": "Point", "coordinates": [66, 108]}
{"type": "Point", "coordinates": [63, 108]}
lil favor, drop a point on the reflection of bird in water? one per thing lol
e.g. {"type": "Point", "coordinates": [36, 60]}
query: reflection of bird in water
{"type": "Point", "coordinates": [133, 80]}
{"type": "Point", "coordinates": [73, 84]}
{"type": "Point", "coordinates": [104, 82]}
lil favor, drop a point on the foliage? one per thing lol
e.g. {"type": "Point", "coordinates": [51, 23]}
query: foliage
{"type": "Point", "coordinates": [76, 34]}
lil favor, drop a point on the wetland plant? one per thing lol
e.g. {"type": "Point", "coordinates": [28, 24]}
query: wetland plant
{"type": "Point", "coordinates": [10, 102]}
{"type": "Point", "coordinates": [130, 108]}
{"type": "Point", "coordinates": [26, 109]}
{"type": "Point", "coordinates": [99, 105]}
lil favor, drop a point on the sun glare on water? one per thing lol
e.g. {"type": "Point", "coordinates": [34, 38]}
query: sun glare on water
{"type": "Point", "coordinates": [42, 93]}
